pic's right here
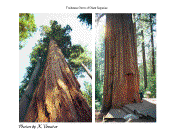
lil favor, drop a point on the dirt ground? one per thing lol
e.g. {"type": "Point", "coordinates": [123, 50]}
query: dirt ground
{"type": "Point", "coordinates": [98, 117]}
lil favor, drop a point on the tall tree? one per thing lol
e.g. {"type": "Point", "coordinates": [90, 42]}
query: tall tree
{"type": "Point", "coordinates": [55, 40]}
{"type": "Point", "coordinates": [121, 80]}
{"type": "Point", "coordinates": [145, 23]}
{"type": "Point", "coordinates": [56, 32]}
{"type": "Point", "coordinates": [144, 61]}
{"type": "Point", "coordinates": [79, 60]}
{"type": "Point", "coordinates": [148, 27]}
{"type": "Point", "coordinates": [99, 59]}
{"type": "Point", "coordinates": [27, 27]}
{"type": "Point", "coordinates": [27, 96]}
{"type": "Point", "coordinates": [152, 43]}
{"type": "Point", "coordinates": [76, 55]}
{"type": "Point", "coordinates": [58, 97]}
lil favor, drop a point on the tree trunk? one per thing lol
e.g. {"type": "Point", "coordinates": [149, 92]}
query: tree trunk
{"type": "Point", "coordinates": [121, 80]}
{"type": "Point", "coordinates": [28, 94]}
{"type": "Point", "coordinates": [87, 70]}
{"type": "Point", "coordinates": [152, 43]}
{"type": "Point", "coordinates": [58, 97]}
{"type": "Point", "coordinates": [144, 61]}
{"type": "Point", "coordinates": [99, 17]}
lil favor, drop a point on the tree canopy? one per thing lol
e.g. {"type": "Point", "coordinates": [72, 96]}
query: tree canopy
{"type": "Point", "coordinates": [55, 32]}
{"type": "Point", "coordinates": [79, 55]}
{"type": "Point", "coordinates": [86, 18]}
{"type": "Point", "coordinates": [75, 55]}
{"type": "Point", "coordinates": [27, 27]}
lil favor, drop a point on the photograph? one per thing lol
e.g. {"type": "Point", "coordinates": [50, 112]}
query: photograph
{"type": "Point", "coordinates": [125, 67]}
{"type": "Point", "coordinates": [55, 67]}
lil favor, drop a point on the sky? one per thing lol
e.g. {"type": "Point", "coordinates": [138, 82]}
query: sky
{"type": "Point", "coordinates": [80, 34]}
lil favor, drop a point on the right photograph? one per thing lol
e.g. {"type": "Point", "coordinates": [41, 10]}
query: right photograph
{"type": "Point", "coordinates": [125, 67]}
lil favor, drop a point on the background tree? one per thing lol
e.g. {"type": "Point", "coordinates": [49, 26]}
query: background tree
{"type": "Point", "coordinates": [86, 18]}
{"type": "Point", "coordinates": [144, 60]}
{"type": "Point", "coordinates": [99, 61]}
{"type": "Point", "coordinates": [144, 23]}
{"type": "Point", "coordinates": [85, 59]}
{"type": "Point", "coordinates": [152, 22]}
{"type": "Point", "coordinates": [27, 27]}
{"type": "Point", "coordinates": [87, 93]}
{"type": "Point", "coordinates": [80, 60]}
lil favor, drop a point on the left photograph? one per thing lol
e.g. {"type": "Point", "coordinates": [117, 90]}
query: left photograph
{"type": "Point", "coordinates": [55, 67]}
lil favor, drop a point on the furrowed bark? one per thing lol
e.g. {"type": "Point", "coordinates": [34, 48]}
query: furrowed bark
{"type": "Point", "coordinates": [58, 97]}
{"type": "Point", "coordinates": [28, 94]}
{"type": "Point", "coordinates": [121, 80]}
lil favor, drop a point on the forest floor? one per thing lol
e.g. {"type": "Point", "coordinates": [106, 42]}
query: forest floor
{"type": "Point", "coordinates": [99, 116]}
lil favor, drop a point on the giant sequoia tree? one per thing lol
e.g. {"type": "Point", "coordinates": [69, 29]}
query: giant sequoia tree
{"type": "Point", "coordinates": [121, 80]}
{"type": "Point", "coordinates": [57, 96]}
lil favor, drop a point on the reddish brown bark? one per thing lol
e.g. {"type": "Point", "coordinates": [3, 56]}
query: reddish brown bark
{"type": "Point", "coordinates": [58, 97]}
{"type": "Point", "coordinates": [27, 96]}
{"type": "Point", "coordinates": [121, 80]}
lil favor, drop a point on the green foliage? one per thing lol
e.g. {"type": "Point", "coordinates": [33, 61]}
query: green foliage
{"type": "Point", "coordinates": [143, 23]}
{"type": "Point", "coordinates": [27, 26]}
{"type": "Point", "coordinates": [98, 95]}
{"type": "Point", "coordinates": [152, 86]}
{"type": "Point", "coordinates": [86, 18]}
{"type": "Point", "coordinates": [151, 78]}
{"type": "Point", "coordinates": [59, 34]}
{"type": "Point", "coordinates": [88, 93]}
{"type": "Point", "coordinates": [99, 70]}
{"type": "Point", "coordinates": [21, 90]}
{"type": "Point", "coordinates": [40, 50]}
{"type": "Point", "coordinates": [74, 54]}
{"type": "Point", "coordinates": [79, 55]}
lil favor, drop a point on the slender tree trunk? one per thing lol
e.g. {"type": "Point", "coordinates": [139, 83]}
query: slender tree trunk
{"type": "Point", "coordinates": [27, 96]}
{"type": "Point", "coordinates": [98, 19]}
{"type": "Point", "coordinates": [96, 67]}
{"type": "Point", "coordinates": [144, 61]}
{"type": "Point", "coordinates": [152, 43]}
{"type": "Point", "coordinates": [87, 70]}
